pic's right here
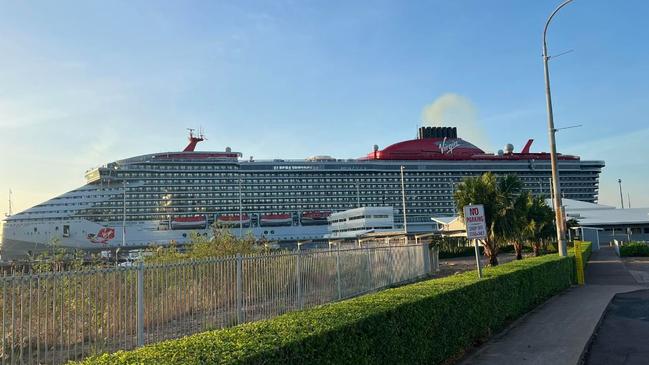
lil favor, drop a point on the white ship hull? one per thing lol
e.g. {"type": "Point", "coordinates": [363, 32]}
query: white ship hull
{"type": "Point", "coordinates": [32, 239]}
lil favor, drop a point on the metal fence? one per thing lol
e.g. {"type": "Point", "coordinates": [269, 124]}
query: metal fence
{"type": "Point", "coordinates": [55, 317]}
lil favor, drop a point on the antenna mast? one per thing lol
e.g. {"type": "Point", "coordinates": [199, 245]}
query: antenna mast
{"type": "Point", "coordinates": [194, 139]}
{"type": "Point", "coordinates": [10, 205]}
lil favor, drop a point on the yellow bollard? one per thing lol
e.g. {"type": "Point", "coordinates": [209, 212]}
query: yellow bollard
{"type": "Point", "coordinates": [579, 262]}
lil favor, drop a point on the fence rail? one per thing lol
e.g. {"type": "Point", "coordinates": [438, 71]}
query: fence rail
{"type": "Point", "coordinates": [54, 317]}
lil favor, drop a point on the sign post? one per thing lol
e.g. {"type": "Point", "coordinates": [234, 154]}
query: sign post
{"type": "Point", "coordinates": [476, 228]}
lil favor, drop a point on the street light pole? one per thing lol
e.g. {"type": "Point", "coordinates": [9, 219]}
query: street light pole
{"type": "Point", "coordinates": [403, 201]}
{"type": "Point", "coordinates": [240, 210]}
{"type": "Point", "coordinates": [561, 233]}
{"type": "Point", "coordinates": [124, 216]}
{"type": "Point", "coordinates": [619, 181]}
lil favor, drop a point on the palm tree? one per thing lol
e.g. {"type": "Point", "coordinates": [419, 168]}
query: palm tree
{"type": "Point", "coordinates": [537, 221]}
{"type": "Point", "coordinates": [498, 196]}
{"type": "Point", "coordinates": [524, 226]}
{"type": "Point", "coordinates": [512, 212]}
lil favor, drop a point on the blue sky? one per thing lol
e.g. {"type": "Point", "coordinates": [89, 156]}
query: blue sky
{"type": "Point", "coordinates": [84, 83]}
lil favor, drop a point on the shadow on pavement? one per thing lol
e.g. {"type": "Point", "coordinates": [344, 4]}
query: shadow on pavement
{"type": "Point", "coordinates": [623, 335]}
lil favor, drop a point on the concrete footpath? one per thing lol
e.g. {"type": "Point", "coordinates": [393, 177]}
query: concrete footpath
{"type": "Point", "coordinates": [558, 331]}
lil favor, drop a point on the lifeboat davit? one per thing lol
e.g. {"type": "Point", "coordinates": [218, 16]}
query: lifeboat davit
{"type": "Point", "coordinates": [273, 220]}
{"type": "Point", "coordinates": [233, 220]}
{"type": "Point", "coordinates": [199, 222]}
{"type": "Point", "coordinates": [315, 218]}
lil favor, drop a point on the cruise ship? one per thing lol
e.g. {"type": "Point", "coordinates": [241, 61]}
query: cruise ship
{"type": "Point", "coordinates": [159, 198]}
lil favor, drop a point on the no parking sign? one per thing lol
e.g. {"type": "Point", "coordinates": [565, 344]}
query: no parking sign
{"type": "Point", "coordinates": [474, 220]}
{"type": "Point", "coordinates": [476, 228]}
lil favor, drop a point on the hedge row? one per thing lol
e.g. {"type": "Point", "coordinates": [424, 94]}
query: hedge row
{"type": "Point", "coordinates": [426, 322]}
{"type": "Point", "coordinates": [634, 249]}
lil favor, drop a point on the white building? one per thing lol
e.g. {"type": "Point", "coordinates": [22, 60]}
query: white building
{"type": "Point", "coordinates": [609, 222]}
{"type": "Point", "coordinates": [598, 223]}
{"type": "Point", "coordinates": [359, 221]}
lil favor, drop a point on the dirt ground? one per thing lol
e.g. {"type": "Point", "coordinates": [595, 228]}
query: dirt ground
{"type": "Point", "coordinates": [459, 265]}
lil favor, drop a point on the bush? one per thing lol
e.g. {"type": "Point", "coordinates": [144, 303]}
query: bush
{"type": "Point", "coordinates": [426, 322]}
{"type": "Point", "coordinates": [470, 251]}
{"type": "Point", "coordinates": [460, 252]}
{"type": "Point", "coordinates": [634, 249]}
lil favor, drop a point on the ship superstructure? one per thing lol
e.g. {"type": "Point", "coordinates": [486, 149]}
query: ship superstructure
{"type": "Point", "coordinates": [163, 197]}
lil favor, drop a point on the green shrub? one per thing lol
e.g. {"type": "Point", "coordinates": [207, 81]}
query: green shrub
{"type": "Point", "coordinates": [470, 251]}
{"type": "Point", "coordinates": [634, 249]}
{"type": "Point", "coordinates": [427, 322]}
{"type": "Point", "coordinates": [459, 252]}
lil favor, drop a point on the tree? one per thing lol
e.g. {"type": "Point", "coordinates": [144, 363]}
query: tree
{"type": "Point", "coordinates": [536, 221]}
{"type": "Point", "coordinates": [524, 227]}
{"type": "Point", "coordinates": [221, 243]}
{"type": "Point", "coordinates": [498, 196]}
{"type": "Point", "coordinates": [547, 235]}
{"type": "Point", "coordinates": [570, 224]}
{"type": "Point", "coordinates": [512, 211]}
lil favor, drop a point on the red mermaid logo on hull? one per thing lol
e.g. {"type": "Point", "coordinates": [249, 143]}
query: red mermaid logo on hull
{"type": "Point", "coordinates": [103, 236]}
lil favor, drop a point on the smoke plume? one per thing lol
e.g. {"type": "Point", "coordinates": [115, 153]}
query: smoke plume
{"type": "Point", "coordinates": [453, 110]}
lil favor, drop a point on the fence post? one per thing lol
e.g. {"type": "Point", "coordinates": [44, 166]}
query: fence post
{"type": "Point", "coordinates": [391, 264]}
{"type": "Point", "coordinates": [435, 258]}
{"type": "Point", "coordinates": [369, 269]}
{"type": "Point", "coordinates": [140, 304]}
{"type": "Point", "coordinates": [240, 318]}
{"type": "Point", "coordinates": [426, 251]}
{"type": "Point", "coordinates": [409, 262]}
{"type": "Point", "coordinates": [298, 279]}
{"type": "Point", "coordinates": [338, 271]}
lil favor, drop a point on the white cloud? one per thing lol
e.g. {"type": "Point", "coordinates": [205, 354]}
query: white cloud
{"type": "Point", "coordinates": [453, 110]}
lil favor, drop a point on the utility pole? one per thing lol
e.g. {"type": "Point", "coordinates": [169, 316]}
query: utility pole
{"type": "Point", "coordinates": [619, 181]}
{"type": "Point", "coordinates": [403, 200]}
{"type": "Point", "coordinates": [358, 195]}
{"type": "Point", "coordinates": [240, 210]}
{"type": "Point", "coordinates": [10, 205]}
{"type": "Point", "coordinates": [561, 233]}
{"type": "Point", "coordinates": [628, 200]}
{"type": "Point", "coordinates": [124, 216]}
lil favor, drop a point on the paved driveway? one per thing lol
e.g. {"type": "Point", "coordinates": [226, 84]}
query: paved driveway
{"type": "Point", "coordinates": [623, 335]}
